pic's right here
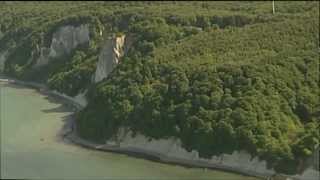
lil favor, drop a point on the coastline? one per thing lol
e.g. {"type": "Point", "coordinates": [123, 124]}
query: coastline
{"type": "Point", "coordinates": [71, 135]}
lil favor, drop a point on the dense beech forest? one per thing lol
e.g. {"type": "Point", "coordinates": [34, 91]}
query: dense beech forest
{"type": "Point", "coordinates": [220, 76]}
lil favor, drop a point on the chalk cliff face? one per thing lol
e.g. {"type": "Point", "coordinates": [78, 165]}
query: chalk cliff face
{"type": "Point", "coordinates": [309, 174]}
{"type": "Point", "coordinates": [171, 150]}
{"type": "Point", "coordinates": [113, 49]}
{"type": "Point", "coordinates": [312, 172]}
{"type": "Point", "coordinates": [3, 58]}
{"type": "Point", "coordinates": [64, 40]}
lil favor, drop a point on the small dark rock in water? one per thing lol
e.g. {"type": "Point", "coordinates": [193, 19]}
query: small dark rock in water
{"type": "Point", "coordinates": [41, 139]}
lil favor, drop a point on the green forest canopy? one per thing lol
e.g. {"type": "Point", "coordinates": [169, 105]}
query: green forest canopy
{"type": "Point", "coordinates": [220, 76]}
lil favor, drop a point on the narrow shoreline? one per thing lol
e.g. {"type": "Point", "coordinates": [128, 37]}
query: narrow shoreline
{"type": "Point", "coordinates": [71, 135]}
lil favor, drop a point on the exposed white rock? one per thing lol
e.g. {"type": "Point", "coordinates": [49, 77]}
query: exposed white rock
{"type": "Point", "coordinates": [3, 58]}
{"type": "Point", "coordinates": [66, 97]}
{"type": "Point", "coordinates": [309, 174]}
{"type": "Point", "coordinates": [113, 49]}
{"type": "Point", "coordinates": [68, 38]}
{"type": "Point", "coordinates": [44, 57]}
{"type": "Point", "coordinates": [171, 150]}
{"type": "Point", "coordinates": [64, 40]}
{"type": "Point", "coordinates": [81, 99]}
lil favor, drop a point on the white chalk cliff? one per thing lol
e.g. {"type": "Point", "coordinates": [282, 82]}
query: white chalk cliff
{"type": "Point", "coordinates": [309, 174]}
{"type": "Point", "coordinates": [171, 150]}
{"type": "Point", "coordinates": [113, 49]}
{"type": "Point", "coordinates": [64, 40]}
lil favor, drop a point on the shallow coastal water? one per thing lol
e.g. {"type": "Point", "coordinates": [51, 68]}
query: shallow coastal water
{"type": "Point", "coordinates": [31, 147]}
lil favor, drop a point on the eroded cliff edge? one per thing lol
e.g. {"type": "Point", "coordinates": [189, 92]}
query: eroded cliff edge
{"type": "Point", "coordinates": [68, 38]}
{"type": "Point", "coordinates": [64, 40]}
{"type": "Point", "coordinates": [113, 49]}
{"type": "Point", "coordinates": [108, 58]}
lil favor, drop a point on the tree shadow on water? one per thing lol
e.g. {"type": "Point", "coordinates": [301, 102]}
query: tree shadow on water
{"type": "Point", "coordinates": [66, 129]}
{"type": "Point", "coordinates": [67, 121]}
{"type": "Point", "coordinates": [63, 107]}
